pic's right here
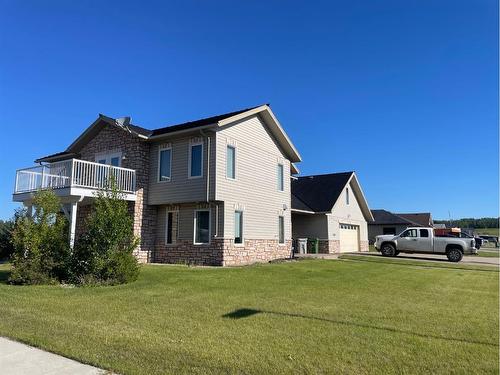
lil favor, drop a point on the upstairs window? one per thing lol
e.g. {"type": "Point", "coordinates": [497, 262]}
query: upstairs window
{"type": "Point", "coordinates": [196, 161]}
{"type": "Point", "coordinates": [347, 196]}
{"type": "Point", "coordinates": [281, 181]}
{"type": "Point", "coordinates": [231, 162]}
{"type": "Point", "coordinates": [165, 164]}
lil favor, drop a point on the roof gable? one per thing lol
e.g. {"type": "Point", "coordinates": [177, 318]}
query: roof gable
{"type": "Point", "coordinates": [215, 121]}
{"type": "Point", "coordinates": [422, 218]}
{"type": "Point", "coordinates": [321, 192]}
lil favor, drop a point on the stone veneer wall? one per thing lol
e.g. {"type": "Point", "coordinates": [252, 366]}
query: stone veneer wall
{"type": "Point", "coordinates": [329, 246]}
{"type": "Point", "coordinates": [222, 252]}
{"type": "Point", "coordinates": [364, 246]}
{"type": "Point", "coordinates": [136, 152]}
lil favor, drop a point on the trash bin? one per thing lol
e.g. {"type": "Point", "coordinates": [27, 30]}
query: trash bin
{"type": "Point", "coordinates": [313, 245]}
{"type": "Point", "coordinates": [301, 245]}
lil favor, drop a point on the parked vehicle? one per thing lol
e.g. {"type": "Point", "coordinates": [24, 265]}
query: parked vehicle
{"type": "Point", "coordinates": [492, 239]}
{"type": "Point", "coordinates": [479, 240]}
{"type": "Point", "coordinates": [423, 241]}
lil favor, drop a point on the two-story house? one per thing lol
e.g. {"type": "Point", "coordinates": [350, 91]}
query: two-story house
{"type": "Point", "coordinates": [212, 192]}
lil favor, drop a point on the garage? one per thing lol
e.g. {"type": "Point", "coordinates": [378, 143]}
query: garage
{"type": "Point", "coordinates": [349, 238]}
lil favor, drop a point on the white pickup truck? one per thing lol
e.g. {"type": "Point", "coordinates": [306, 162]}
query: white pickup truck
{"type": "Point", "coordinates": [423, 240]}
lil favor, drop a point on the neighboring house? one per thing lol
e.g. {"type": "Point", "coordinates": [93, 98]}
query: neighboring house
{"type": "Point", "coordinates": [424, 219]}
{"type": "Point", "coordinates": [386, 222]}
{"type": "Point", "coordinates": [212, 192]}
{"type": "Point", "coordinates": [439, 226]}
{"type": "Point", "coordinates": [333, 209]}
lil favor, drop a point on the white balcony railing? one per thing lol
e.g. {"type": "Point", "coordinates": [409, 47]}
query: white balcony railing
{"type": "Point", "coordinates": [74, 173]}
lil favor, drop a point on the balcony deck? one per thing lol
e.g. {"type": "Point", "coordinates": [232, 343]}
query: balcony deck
{"type": "Point", "coordinates": [73, 179]}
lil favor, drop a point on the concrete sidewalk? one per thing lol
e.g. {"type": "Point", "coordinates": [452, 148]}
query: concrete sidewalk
{"type": "Point", "coordinates": [21, 359]}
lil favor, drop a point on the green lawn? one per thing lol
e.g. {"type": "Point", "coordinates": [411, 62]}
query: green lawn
{"type": "Point", "coordinates": [312, 316]}
{"type": "Point", "coordinates": [488, 253]}
{"type": "Point", "coordinates": [487, 231]}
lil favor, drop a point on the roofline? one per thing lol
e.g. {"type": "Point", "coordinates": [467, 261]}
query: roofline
{"type": "Point", "coordinates": [182, 131]}
{"type": "Point", "coordinates": [293, 154]}
{"type": "Point", "coordinates": [303, 211]}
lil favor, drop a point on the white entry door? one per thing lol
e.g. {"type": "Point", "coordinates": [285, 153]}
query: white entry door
{"type": "Point", "coordinates": [349, 238]}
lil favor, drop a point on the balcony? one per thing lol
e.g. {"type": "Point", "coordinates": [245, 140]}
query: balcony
{"type": "Point", "coordinates": [73, 179]}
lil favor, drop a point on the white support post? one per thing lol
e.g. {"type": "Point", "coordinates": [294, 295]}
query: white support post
{"type": "Point", "coordinates": [72, 225]}
{"type": "Point", "coordinates": [29, 206]}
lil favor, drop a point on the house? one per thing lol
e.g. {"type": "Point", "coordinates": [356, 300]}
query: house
{"type": "Point", "coordinates": [333, 209]}
{"type": "Point", "coordinates": [215, 191]}
{"type": "Point", "coordinates": [386, 222]}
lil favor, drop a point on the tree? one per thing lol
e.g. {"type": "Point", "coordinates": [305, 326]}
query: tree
{"type": "Point", "coordinates": [40, 241]}
{"type": "Point", "coordinates": [104, 253]}
{"type": "Point", "coordinates": [6, 246]}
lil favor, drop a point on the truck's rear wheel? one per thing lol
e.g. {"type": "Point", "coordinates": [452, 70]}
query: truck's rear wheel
{"type": "Point", "coordinates": [454, 255]}
{"type": "Point", "coordinates": [388, 250]}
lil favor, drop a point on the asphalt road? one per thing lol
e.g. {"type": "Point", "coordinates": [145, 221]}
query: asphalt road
{"type": "Point", "coordinates": [468, 259]}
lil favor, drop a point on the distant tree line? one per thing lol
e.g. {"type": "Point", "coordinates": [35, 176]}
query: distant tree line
{"type": "Point", "coordinates": [484, 222]}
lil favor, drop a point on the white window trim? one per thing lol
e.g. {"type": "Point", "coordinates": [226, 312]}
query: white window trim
{"type": "Point", "coordinates": [189, 159]}
{"type": "Point", "coordinates": [166, 228]}
{"type": "Point", "coordinates": [108, 156]}
{"type": "Point", "coordinates": [209, 226]}
{"type": "Point", "coordinates": [242, 244]}
{"type": "Point", "coordinates": [235, 152]}
{"type": "Point", "coordinates": [284, 239]}
{"type": "Point", "coordinates": [159, 163]}
{"type": "Point", "coordinates": [277, 177]}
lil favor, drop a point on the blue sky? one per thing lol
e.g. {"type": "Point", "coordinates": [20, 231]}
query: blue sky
{"type": "Point", "coordinates": [403, 92]}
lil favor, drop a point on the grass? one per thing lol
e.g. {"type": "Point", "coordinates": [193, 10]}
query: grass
{"type": "Point", "coordinates": [312, 316]}
{"type": "Point", "coordinates": [489, 253]}
{"type": "Point", "coordinates": [487, 231]}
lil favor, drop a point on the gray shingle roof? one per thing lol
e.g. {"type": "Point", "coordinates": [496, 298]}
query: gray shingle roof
{"type": "Point", "coordinates": [319, 192]}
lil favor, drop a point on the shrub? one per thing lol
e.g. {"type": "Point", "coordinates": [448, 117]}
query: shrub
{"type": "Point", "coordinates": [104, 253]}
{"type": "Point", "coordinates": [40, 242]}
{"type": "Point", "coordinates": [6, 246]}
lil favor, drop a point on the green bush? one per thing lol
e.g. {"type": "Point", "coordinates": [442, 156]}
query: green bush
{"type": "Point", "coordinates": [40, 241]}
{"type": "Point", "coordinates": [104, 253]}
{"type": "Point", "coordinates": [6, 246]}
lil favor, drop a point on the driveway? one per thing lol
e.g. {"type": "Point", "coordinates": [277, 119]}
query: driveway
{"type": "Point", "coordinates": [468, 259]}
{"type": "Point", "coordinates": [21, 359]}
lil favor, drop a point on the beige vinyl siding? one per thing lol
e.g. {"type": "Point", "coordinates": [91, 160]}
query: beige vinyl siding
{"type": "Point", "coordinates": [185, 223]}
{"type": "Point", "coordinates": [347, 214]}
{"type": "Point", "coordinates": [255, 189]}
{"type": "Point", "coordinates": [180, 188]}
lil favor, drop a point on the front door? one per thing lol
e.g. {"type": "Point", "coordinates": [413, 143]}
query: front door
{"type": "Point", "coordinates": [113, 159]}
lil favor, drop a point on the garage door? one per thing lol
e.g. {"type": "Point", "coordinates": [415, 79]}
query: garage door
{"type": "Point", "coordinates": [349, 238]}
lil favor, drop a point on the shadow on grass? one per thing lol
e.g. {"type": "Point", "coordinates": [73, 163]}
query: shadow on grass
{"type": "Point", "coordinates": [424, 262]}
{"type": "Point", "coordinates": [245, 313]}
{"type": "Point", "coordinates": [4, 276]}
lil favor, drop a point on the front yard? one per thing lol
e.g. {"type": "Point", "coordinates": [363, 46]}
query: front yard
{"type": "Point", "coordinates": [311, 316]}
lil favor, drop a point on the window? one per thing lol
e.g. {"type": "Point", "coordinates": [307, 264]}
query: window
{"type": "Point", "coordinates": [169, 228]}
{"type": "Point", "coordinates": [164, 164]}
{"type": "Point", "coordinates": [347, 196]}
{"type": "Point", "coordinates": [231, 162]}
{"type": "Point", "coordinates": [281, 229]}
{"type": "Point", "coordinates": [409, 233]}
{"type": "Point", "coordinates": [202, 227]}
{"type": "Point", "coordinates": [424, 233]}
{"type": "Point", "coordinates": [196, 160]}
{"type": "Point", "coordinates": [238, 227]}
{"type": "Point", "coordinates": [113, 159]}
{"type": "Point", "coordinates": [281, 182]}
{"type": "Point", "coordinates": [390, 230]}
